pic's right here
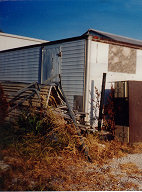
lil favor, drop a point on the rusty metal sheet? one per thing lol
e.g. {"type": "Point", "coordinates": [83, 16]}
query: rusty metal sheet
{"type": "Point", "coordinates": [122, 133]}
{"type": "Point", "coordinates": [121, 111]}
{"type": "Point", "coordinates": [135, 111]}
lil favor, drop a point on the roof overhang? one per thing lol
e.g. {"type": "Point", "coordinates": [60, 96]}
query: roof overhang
{"type": "Point", "coordinates": [96, 36]}
{"type": "Point", "coordinates": [112, 38]}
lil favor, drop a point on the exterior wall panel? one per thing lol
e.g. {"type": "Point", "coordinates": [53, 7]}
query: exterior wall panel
{"type": "Point", "coordinates": [135, 112]}
{"type": "Point", "coordinates": [70, 66]}
{"type": "Point", "coordinates": [20, 65]}
{"type": "Point", "coordinates": [72, 69]}
{"type": "Point", "coordinates": [9, 41]}
{"type": "Point", "coordinates": [139, 65]}
{"type": "Point", "coordinates": [98, 64]}
{"type": "Point", "coordinates": [119, 63]}
{"type": "Point", "coordinates": [51, 62]}
{"type": "Point", "coordinates": [122, 59]}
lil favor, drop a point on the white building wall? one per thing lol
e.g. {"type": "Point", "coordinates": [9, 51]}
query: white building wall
{"type": "Point", "coordinates": [98, 64]}
{"type": "Point", "coordinates": [139, 65]}
{"type": "Point", "coordinates": [8, 41]}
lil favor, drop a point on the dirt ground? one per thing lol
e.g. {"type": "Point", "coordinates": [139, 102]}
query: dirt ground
{"type": "Point", "coordinates": [128, 169]}
{"type": "Point", "coordinates": [123, 173]}
{"type": "Point", "coordinates": [115, 167]}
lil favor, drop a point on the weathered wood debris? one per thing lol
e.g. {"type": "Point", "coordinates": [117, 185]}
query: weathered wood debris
{"type": "Point", "coordinates": [21, 95]}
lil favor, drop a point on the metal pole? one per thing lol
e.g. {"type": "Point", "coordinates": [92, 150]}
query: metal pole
{"type": "Point", "coordinates": [92, 102]}
{"type": "Point", "coordinates": [102, 101]}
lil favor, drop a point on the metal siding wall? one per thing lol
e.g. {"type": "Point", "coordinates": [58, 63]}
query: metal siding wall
{"type": "Point", "coordinates": [135, 111]}
{"type": "Point", "coordinates": [51, 62]}
{"type": "Point", "coordinates": [72, 69]}
{"type": "Point", "coordinates": [20, 65]}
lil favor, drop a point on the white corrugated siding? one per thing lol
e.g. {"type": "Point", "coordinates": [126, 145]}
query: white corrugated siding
{"type": "Point", "coordinates": [51, 62]}
{"type": "Point", "coordinates": [20, 65]}
{"type": "Point", "coordinates": [23, 65]}
{"type": "Point", "coordinates": [72, 68]}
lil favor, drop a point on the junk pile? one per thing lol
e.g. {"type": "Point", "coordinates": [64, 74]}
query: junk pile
{"type": "Point", "coordinates": [22, 96]}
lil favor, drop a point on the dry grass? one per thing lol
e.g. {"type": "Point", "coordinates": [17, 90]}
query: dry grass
{"type": "Point", "coordinates": [136, 148]}
{"type": "Point", "coordinates": [102, 151]}
{"type": "Point", "coordinates": [36, 166]}
{"type": "Point", "coordinates": [65, 172]}
{"type": "Point", "coordinates": [130, 168]}
{"type": "Point", "coordinates": [53, 161]}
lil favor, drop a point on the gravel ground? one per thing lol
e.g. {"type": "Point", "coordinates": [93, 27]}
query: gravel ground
{"type": "Point", "coordinates": [125, 170]}
{"type": "Point", "coordinates": [117, 173]}
{"type": "Point", "coordinates": [128, 174]}
{"type": "Point", "coordinates": [133, 158]}
{"type": "Point", "coordinates": [116, 177]}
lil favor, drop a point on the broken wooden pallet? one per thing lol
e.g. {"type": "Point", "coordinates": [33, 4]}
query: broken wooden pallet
{"type": "Point", "coordinates": [22, 95]}
{"type": "Point", "coordinates": [31, 93]}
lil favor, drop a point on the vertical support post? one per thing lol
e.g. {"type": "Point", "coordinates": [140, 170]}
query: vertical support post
{"type": "Point", "coordinates": [102, 101]}
{"type": "Point", "coordinates": [87, 75]}
{"type": "Point", "coordinates": [92, 107]}
{"type": "Point", "coordinates": [41, 65]}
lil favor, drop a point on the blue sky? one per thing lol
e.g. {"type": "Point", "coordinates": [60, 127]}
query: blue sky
{"type": "Point", "coordinates": [58, 19]}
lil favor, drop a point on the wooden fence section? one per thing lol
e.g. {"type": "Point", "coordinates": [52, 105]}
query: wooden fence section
{"type": "Point", "coordinates": [12, 88]}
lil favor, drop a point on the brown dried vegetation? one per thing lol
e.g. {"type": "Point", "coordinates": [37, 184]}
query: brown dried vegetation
{"type": "Point", "coordinates": [44, 155]}
{"type": "Point", "coordinates": [3, 105]}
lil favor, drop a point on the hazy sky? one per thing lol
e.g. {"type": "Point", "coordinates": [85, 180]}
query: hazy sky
{"type": "Point", "coordinates": [58, 19]}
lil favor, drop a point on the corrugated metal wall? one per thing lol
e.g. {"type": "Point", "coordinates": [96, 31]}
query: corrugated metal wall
{"type": "Point", "coordinates": [24, 65]}
{"type": "Point", "coordinates": [21, 65]}
{"type": "Point", "coordinates": [51, 62]}
{"type": "Point", "coordinates": [72, 68]}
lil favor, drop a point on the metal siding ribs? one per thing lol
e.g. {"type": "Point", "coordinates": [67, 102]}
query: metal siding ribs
{"type": "Point", "coordinates": [23, 65]}
{"type": "Point", "coordinates": [72, 69]}
{"type": "Point", "coordinates": [20, 65]}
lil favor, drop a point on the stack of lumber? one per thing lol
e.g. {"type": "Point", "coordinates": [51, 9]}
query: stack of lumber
{"type": "Point", "coordinates": [12, 90]}
{"type": "Point", "coordinates": [24, 95]}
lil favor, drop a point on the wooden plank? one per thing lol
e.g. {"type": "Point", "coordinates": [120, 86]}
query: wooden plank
{"type": "Point", "coordinates": [11, 89]}
{"type": "Point", "coordinates": [102, 101]}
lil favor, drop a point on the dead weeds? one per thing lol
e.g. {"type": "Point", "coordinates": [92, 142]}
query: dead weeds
{"type": "Point", "coordinates": [130, 168]}
{"type": "Point", "coordinates": [43, 168]}
{"type": "Point", "coordinates": [51, 159]}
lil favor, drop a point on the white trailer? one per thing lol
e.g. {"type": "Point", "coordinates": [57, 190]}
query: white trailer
{"type": "Point", "coordinates": [80, 61]}
{"type": "Point", "coordinates": [9, 41]}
